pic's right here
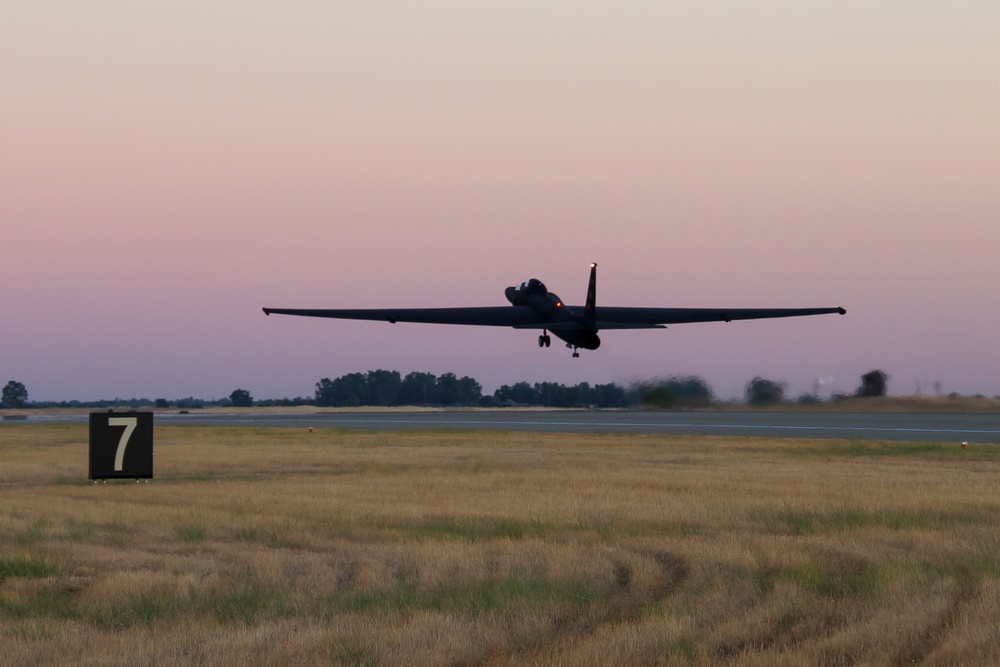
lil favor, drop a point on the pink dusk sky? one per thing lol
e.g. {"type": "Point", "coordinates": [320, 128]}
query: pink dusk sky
{"type": "Point", "coordinates": [167, 169]}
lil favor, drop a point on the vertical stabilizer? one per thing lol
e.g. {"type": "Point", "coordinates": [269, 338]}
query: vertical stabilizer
{"type": "Point", "coordinates": [590, 309]}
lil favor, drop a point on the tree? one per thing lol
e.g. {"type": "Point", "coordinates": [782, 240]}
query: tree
{"type": "Point", "coordinates": [417, 389]}
{"type": "Point", "coordinates": [874, 383]}
{"type": "Point", "coordinates": [382, 387]}
{"type": "Point", "coordinates": [470, 392]}
{"type": "Point", "coordinates": [241, 398]}
{"type": "Point", "coordinates": [520, 393]}
{"type": "Point", "coordinates": [324, 389]}
{"type": "Point", "coordinates": [551, 394]}
{"type": "Point", "coordinates": [14, 395]}
{"type": "Point", "coordinates": [761, 391]}
{"type": "Point", "coordinates": [689, 391]}
{"type": "Point", "coordinates": [448, 390]}
{"type": "Point", "coordinates": [346, 391]}
{"type": "Point", "coordinates": [603, 395]}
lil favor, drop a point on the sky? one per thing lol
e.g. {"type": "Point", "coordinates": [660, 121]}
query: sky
{"type": "Point", "coordinates": [168, 169]}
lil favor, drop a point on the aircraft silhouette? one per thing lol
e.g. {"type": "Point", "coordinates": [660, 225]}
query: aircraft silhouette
{"type": "Point", "coordinates": [534, 307]}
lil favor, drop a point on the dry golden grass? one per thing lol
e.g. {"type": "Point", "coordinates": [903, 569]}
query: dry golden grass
{"type": "Point", "coordinates": [281, 547]}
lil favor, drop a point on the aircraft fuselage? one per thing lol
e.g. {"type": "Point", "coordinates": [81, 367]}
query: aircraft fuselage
{"type": "Point", "coordinates": [565, 322]}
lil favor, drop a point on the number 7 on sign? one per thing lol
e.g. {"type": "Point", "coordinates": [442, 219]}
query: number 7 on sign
{"type": "Point", "coordinates": [129, 423]}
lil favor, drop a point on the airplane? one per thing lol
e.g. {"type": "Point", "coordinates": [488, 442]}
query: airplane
{"type": "Point", "coordinates": [532, 306]}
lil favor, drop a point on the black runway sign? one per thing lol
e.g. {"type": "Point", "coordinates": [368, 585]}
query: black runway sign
{"type": "Point", "coordinates": [121, 445]}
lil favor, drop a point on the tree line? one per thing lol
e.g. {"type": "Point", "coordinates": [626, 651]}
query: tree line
{"type": "Point", "coordinates": [389, 388]}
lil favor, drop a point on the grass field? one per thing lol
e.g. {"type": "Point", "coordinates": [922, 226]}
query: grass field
{"type": "Point", "coordinates": [281, 547]}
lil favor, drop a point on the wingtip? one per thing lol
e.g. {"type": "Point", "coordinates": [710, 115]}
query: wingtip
{"type": "Point", "coordinates": [266, 311]}
{"type": "Point", "coordinates": [841, 311]}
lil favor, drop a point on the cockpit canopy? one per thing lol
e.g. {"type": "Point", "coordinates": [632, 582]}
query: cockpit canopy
{"type": "Point", "coordinates": [533, 286]}
{"type": "Point", "coordinates": [519, 294]}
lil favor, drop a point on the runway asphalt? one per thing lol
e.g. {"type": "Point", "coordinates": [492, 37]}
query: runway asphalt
{"type": "Point", "coordinates": [911, 427]}
{"type": "Point", "coordinates": [918, 427]}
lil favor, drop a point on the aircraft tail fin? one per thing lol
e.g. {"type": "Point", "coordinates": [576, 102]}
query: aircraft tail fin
{"type": "Point", "coordinates": [590, 309]}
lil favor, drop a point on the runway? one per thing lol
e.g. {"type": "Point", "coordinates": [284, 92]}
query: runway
{"type": "Point", "coordinates": [914, 427]}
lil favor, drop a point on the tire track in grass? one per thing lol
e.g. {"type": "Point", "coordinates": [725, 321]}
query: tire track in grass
{"type": "Point", "coordinates": [624, 603]}
{"type": "Point", "coordinates": [934, 634]}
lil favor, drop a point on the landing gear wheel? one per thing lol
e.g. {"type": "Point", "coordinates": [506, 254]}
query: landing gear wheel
{"type": "Point", "coordinates": [544, 340]}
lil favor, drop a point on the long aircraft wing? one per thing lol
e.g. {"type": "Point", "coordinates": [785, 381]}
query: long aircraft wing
{"type": "Point", "coordinates": [523, 317]}
{"type": "Point", "coordinates": [491, 316]}
{"type": "Point", "coordinates": [615, 317]}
